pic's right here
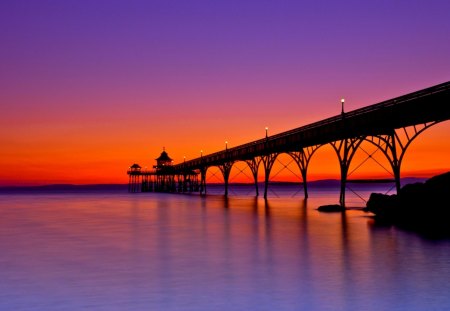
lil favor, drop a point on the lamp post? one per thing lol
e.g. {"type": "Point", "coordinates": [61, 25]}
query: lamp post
{"type": "Point", "coordinates": [226, 145]}
{"type": "Point", "coordinates": [342, 103]}
{"type": "Point", "coordinates": [184, 159]}
{"type": "Point", "coordinates": [267, 129]}
{"type": "Point", "coordinates": [201, 153]}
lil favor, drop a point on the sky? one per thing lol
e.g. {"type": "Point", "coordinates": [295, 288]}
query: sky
{"type": "Point", "coordinates": [88, 88]}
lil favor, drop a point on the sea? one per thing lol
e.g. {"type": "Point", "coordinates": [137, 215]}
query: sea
{"type": "Point", "coordinates": [107, 249]}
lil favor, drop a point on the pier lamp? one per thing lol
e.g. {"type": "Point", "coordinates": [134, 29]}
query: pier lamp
{"type": "Point", "coordinates": [226, 145]}
{"type": "Point", "coordinates": [184, 158]}
{"type": "Point", "coordinates": [201, 153]}
{"type": "Point", "coordinates": [342, 103]}
{"type": "Point", "coordinates": [266, 130]}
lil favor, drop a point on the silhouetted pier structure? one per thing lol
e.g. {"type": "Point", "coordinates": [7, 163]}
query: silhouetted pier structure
{"type": "Point", "coordinates": [162, 178]}
{"type": "Point", "coordinates": [390, 125]}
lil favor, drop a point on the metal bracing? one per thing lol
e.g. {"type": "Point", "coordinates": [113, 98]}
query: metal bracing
{"type": "Point", "coordinates": [285, 166]}
{"type": "Point", "coordinates": [268, 161]}
{"type": "Point", "coordinates": [395, 144]}
{"type": "Point", "coordinates": [370, 156]}
{"type": "Point", "coordinates": [302, 159]}
{"type": "Point", "coordinates": [217, 174]}
{"type": "Point", "coordinates": [240, 171]}
{"type": "Point", "coordinates": [225, 168]}
{"type": "Point", "coordinates": [345, 150]}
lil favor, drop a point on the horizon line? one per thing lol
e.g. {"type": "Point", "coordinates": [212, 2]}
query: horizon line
{"type": "Point", "coordinates": [359, 181]}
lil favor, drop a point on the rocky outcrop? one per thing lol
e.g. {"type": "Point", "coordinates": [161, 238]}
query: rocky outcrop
{"type": "Point", "coordinates": [419, 205]}
{"type": "Point", "coordinates": [331, 208]}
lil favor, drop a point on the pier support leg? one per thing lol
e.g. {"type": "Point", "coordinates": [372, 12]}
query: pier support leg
{"type": "Point", "coordinates": [398, 184]}
{"type": "Point", "coordinates": [226, 169]}
{"type": "Point", "coordinates": [137, 183]}
{"type": "Point", "coordinates": [254, 166]}
{"type": "Point", "coordinates": [345, 150]}
{"type": "Point", "coordinates": [302, 159]}
{"type": "Point", "coordinates": [396, 162]}
{"type": "Point", "coordinates": [194, 187]}
{"type": "Point", "coordinates": [305, 182]}
{"type": "Point", "coordinates": [268, 161]}
{"type": "Point", "coordinates": [344, 173]}
{"type": "Point", "coordinates": [203, 180]}
{"type": "Point", "coordinates": [391, 146]}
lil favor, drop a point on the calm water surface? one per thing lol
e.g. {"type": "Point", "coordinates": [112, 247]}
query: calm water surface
{"type": "Point", "coordinates": [108, 251]}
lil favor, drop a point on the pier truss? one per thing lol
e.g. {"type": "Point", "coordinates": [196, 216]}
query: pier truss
{"type": "Point", "coordinates": [391, 126]}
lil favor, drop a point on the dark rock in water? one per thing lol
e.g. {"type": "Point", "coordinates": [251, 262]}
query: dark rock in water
{"type": "Point", "coordinates": [382, 205]}
{"type": "Point", "coordinates": [419, 205]}
{"type": "Point", "coordinates": [331, 208]}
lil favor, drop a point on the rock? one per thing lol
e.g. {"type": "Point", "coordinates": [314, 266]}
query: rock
{"type": "Point", "coordinates": [419, 205]}
{"type": "Point", "coordinates": [382, 205]}
{"type": "Point", "coordinates": [331, 208]}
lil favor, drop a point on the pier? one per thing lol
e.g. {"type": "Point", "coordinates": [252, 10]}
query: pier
{"type": "Point", "coordinates": [391, 126]}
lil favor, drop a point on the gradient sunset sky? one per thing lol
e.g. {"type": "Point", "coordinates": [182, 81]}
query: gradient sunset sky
{"type": "Point", "coordinates": [88, 88]}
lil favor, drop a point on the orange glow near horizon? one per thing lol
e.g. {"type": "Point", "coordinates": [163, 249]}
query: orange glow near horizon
{"type": "Point", "coordinates": [89, 155]}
